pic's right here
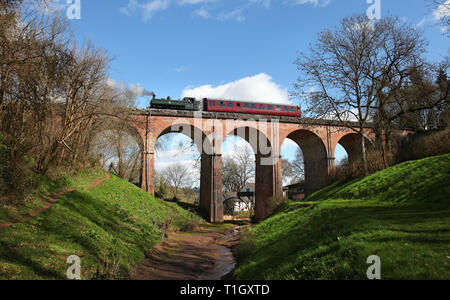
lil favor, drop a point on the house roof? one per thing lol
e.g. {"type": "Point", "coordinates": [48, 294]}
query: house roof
{"type": "Point", "coordinates": [229, 195]}
{"type": "Point", "coordinates": [250, 185]}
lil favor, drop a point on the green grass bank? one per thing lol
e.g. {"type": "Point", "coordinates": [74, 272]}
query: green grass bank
{"type": "Point", "coordinates": [401, 214]}
{"type": "Point", "coordinates": [109, 227]}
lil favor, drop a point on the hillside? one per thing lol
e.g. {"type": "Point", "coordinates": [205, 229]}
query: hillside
{"type": "Point", "coordinates": [110, 227]}
{"type": "Point", "coordinates": [401, 214]}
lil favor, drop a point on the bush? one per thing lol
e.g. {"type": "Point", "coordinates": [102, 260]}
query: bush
{"type": "Point", "coordinates": [275, 203]}
{"type": "Point", "coordinates": [191, 223]}
{"type": "Point", "coordinates": [246, 246]}
{"type": "Point", "coordinates": [413, 147]}
{"type": "Point", "coordinates": [15, 178]}
{"type": "Point", "coordinates": [5, 170]}
{"type": "Point", "coordinates": [349, 170]}
{"type": "Point", "coordinates": [425, 144]}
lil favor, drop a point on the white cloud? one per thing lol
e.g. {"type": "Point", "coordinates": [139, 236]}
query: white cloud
{"type": "Point", "coordinates": [442, 11]}
{"type": "Point", "coordinates": [258, 88]}
{"type": "Point", "coordinates": [209, 8]}
{"type": "Point", "coordinates": [175, 152]}
{"type": "Point", "coordinates": [203, 13]}
{"type": "Point", "coordinates": [148, 9]}
{"type": "Point", "coordinates": [315, 3]}
{"type": "Point", "coordinates": [193, 2]}
{"type": "Point", "coordinates": [421, 22]}
{"type": "Point", "coordinates": [180, 69]}
{"type": "Point", "coordinates": [264, 3]}
{"type": "Point", "coordinates": [288, 143]}
{"type": "Point", "coordinates": [233, 144]}
{"type": "Point", "coordinates": [234, 15]}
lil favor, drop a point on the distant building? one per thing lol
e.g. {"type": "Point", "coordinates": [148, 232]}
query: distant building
{"type": "Point", "coordinates": [249, 188]}
{"type": "Point", "coordinates": [295, 192]}
{"type": "Point", "coordinates": [235, 202]}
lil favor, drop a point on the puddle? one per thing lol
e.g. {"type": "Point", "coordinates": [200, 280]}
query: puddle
{"type": "Point", "coordinates": [224, 265]}
{"type": "Point", "coordinates": [225, 262]}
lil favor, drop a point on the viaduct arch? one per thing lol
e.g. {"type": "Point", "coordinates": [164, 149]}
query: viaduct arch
{"type": "Point", "coordinates": [317, 139]}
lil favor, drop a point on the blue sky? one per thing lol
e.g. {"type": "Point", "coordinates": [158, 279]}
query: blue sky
{"type": "Point", "coordinates": [227, 48]}
{"type": "Point", "coordinates": [168, 46]}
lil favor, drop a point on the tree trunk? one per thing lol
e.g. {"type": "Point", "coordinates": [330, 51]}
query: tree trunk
{"type": "Point", "coordinates": [120, 154]}
{"type": "Point", "coordinates": [363, 154]}
{"type": "Point", "coordinates": [383, 148]}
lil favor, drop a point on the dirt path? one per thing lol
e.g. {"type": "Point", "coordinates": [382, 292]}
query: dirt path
{"type": "Point", "coordinates": [200, 254]}
{"type": "Point", "coordinates": [52, 201]}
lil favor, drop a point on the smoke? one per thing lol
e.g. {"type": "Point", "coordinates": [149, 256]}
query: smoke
{"type": "Point", "coordinates": [139, 91]}
{"type": "Point", "coordinates": [136, 90]}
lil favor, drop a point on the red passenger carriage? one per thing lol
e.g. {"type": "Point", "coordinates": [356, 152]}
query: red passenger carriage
{"type": "Point", "coordinates": [252, 108]}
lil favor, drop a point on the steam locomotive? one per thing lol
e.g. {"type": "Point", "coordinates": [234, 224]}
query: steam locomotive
{"type": "Point", "coordinates": [227, 106]}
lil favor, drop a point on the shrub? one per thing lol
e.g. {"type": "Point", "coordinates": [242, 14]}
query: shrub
{"type": "Point", "coordinates": [246, 246]}
{"type": "Point", "coordinates": [425, 144]}
{"type": "Point", "coordinates": [110, 269]}
{"type": "Point", "coordinates": [413, 147]}
{"type": "Point", "coordinates": [349, 170]}
{"type": "Point", "coordinates": [16, 178]}
{"type": "Point", "coordinates": [274, 203]}
{"type": "Point", "coordinates": [191, 223]}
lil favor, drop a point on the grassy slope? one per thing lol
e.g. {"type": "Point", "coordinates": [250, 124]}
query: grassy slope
{"type": "Point", "coordinates": [114, 222]}
{"type": "Point", "coordinates": [401, 214]}
{"type": "Point", "coordinates": [44, 189]}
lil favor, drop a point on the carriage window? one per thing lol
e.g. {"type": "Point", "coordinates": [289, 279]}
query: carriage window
{"type": "Point", "coordinates": [231, 104]}
{"type": "Point", "coordinates": [211, 103]}
{"type": "Point", "coordinates": [222, 104]}
{"type": "Point", "coordinates": [286, 108]}
{"type": "Point", "coordinates": [269, 107]}
{"type": "Point", "coordinates": [246, 105]}
{"type": "Point", "coordinates": [292, 108]}
{"type": "Point", "coordinates": [253, 106]}
{"type": "Point", "coordinates": [262, 107]}
{"type": "Point", "coordinates": [278, 108]}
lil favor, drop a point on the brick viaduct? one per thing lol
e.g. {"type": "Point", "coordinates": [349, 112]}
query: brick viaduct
{"type": "Point", "coordinates": [316, 138]}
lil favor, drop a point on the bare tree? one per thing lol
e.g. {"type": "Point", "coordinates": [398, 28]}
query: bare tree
{"type": "Point", "coordinates": [238, 170]}
{"type": "Point", "coordinates": [298, 167]}
{"type": "Point", "coordinates": [176, 176]}
{"type": "Point", "coordinates": [53, 94]}
{"type": "Point", "coordinates": [348, 68]}
{"type": "Point", "coordinates": [118, 146]}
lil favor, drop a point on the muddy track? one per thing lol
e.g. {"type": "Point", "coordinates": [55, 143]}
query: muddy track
{"type": "Point", "coordinates": [202, 254]}
{"type": "Point", "coordinates": [52, 201]}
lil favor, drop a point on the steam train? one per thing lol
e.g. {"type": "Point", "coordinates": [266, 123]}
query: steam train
{"type": "Point", "coordinates": [227, 106]}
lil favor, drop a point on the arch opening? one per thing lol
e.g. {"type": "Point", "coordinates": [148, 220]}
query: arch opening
{"type": "Point", "coordinates": [293, 170]}
{"type": "Point", "coordinates": [267, 179]}
{"type": "Point", "coordinates": [238, 176]}
{"type": "Point", "coordinates": [177, 169]}
{"type": "Point", "coordinates": [315, 159]}
{"type": "Point", "coordinates": [351, 144]}
{"type": "Point", "coordinates": [119, 149]}
{"type": "Point", "coordinates": [340, 155]}
{"type": "Point", "coordinates": [195, 135]}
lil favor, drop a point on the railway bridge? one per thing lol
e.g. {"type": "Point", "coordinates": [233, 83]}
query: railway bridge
{"type": "Point", "coordinates": [265, 134]}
